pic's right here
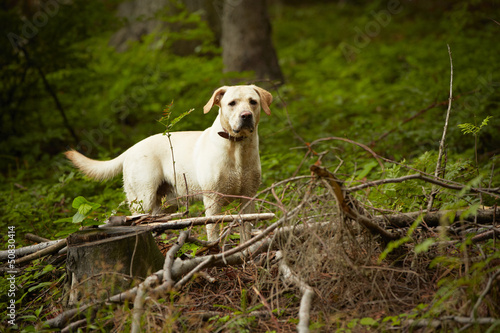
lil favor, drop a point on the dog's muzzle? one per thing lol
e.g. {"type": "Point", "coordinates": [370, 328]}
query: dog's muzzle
{"type": "Point", "coordinates": [246, 122]}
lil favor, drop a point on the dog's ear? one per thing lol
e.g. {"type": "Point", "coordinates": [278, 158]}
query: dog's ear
{"type": "Point", "coordinates": [265, 99]}
{"type": "Point", "coordinates": [215, 99]}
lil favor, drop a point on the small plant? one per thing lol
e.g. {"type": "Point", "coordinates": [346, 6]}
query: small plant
{"type": "Point", "coordinates": [84, 209]}
{"type": "Point", "coordinates": [169, 124]}
{"type": "Point", "coordinates": [165, 120]}
{"type": "Point", "coordinates": [468, 128]}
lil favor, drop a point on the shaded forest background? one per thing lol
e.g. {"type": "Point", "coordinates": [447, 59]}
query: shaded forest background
{"type": "Point", "coordinates": [74, 74]}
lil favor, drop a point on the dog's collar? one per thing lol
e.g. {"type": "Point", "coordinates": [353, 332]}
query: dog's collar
{"type": "Point", "coordinates": [224, 134]}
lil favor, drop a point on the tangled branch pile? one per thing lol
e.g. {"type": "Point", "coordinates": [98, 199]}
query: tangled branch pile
{"type": "Point", "coordinates": [329, 261]}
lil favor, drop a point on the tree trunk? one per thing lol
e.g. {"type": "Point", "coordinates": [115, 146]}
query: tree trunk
{"type": "Point", "coordinates": [246, 40]}
{"type": "Point", "coordinates": [104, 261]}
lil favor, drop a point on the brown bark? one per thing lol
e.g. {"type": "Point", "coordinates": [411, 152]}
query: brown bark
{"type": "Point", "coordinates": [246, 40]}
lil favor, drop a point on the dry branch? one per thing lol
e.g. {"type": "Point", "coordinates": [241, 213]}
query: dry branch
{"type": "Point", "coordinates": [168, 281]}
{"type": "Point", "coordinates": [196, 221]}
{"type": "Point", "coordinates": [485, 292]}
{"type": "Point", "coordinates": [433, 219]}
{"type": "Point", "coordinates": [35, 238]}
{"type": "Point", "coordinates": [443, 139]}
{"type": "Point", "coordinates": [344, 204]}
{"type": "Point", "coordinates": [365, 147]}
{"type": "Point", "coordinates": [437, 323]}
{"type": "Point", "coordinates": [23, 251]}
{"type": "Point", "coordinates": [47, 250]}
{"type": "Point", "coordinates": [306, 290]}
{"type": "Point", "coordinates": [238, 255]}
{"type": "Point", "coordinates": [139, 302]}
{"type": "Point", "coordinates": [435, 181]}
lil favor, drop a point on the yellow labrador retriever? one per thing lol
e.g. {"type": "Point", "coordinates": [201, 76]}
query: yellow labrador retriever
{"type": "Point", "coordinates": [222, 160]}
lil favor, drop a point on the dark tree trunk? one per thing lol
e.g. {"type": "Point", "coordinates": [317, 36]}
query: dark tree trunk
{"type": "Point", "coordinates": [246, 40]}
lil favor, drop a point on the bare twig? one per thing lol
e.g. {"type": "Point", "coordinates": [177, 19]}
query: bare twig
{"type": "Point", "coordinates": [139, 302]}
{"type": "Point", "coordinates": [188, 276]}
{"type": "Point", "coordinates": [168, 282]}
{"type": "Point", "coordinates": [443, 139]}
{"type": "Point", "coordinates": [48, 250]}
{"type": "Point", "coordinates": [23, 251]}
{"type": "Point", "coordinates": [365, 147]}
{"type": "Point", "coordinates": [485, 292]}
{"type": "Point", "coordinates": [35, 238]}
{"type": "Point", "coordinates": [194, 221]}
{"type": "Point", "coordinates": [432, 219]}
{"type": "Point", "coordinates": [73, 327]}
{"type": "Point", "coordinates": [191, 266]}
{"type": "Point", "coordinates": [490, 191]}
{"type": "Point", "coordinates": [436, 323]}
{"type": "Point", "coordinates": [306, 290]}
{"type": "Point", "coordinates": [436, 181]}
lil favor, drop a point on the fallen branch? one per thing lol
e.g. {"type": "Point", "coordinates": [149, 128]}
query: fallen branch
{"type": "Point", "coordinates": [73, 327]}
{"type": "Point", "coordinates": [436, 323]}
{"type": "Point", "coordinates": [168, 282]}
{"type": "Point", "coordinates": [48, 250]}
{"type": "Point", "coordinates": [35, 238]}
{"type": "Point", "coordinates": [435, 181]}
{"type": "Point", "coordinates": [433, 219]}
{"type": "Point", "coordinates": [196, 221]}
{"type": "Point", "coordinates": [335, 188]}
{"type": "Point", "coordinates": [23, 251]}
{"type": "Point", "coordinates": [306, 290]}
{"type": "Point", "coordinates": [485, 292]}
{"type": "Point", "coordinates": [486, 235]}
{"type": "Point", "coordinates": [238, 255]}
{"type": "Point", "coordinates": [139, 302]}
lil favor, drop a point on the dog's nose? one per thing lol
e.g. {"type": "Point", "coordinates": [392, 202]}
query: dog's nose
{"type": "Point", "coordinates": [246, 116]}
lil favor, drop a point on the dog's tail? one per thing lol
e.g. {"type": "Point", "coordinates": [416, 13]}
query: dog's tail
{"type": "Point", "coordinates": [98, 170]}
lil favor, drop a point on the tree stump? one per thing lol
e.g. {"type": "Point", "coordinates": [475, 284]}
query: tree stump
{"type": "Point", "coordinates": [105, 261]}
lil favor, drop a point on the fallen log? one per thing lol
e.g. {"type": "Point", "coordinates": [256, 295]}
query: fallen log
{"type": "Point", "coordinates": [434, 219]}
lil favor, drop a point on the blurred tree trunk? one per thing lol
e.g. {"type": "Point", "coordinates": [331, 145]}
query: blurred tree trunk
{"type": "Point", "coordinates": [246, 39]}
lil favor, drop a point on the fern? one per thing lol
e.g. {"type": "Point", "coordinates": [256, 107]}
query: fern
{"type": "Point", "coordinates": [165, 120]}
{"type": "Point", "coordinates": [469, 128]}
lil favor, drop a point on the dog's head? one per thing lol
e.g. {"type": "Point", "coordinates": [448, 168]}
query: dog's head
{"type": "Point", "coordinates": [240, 108]}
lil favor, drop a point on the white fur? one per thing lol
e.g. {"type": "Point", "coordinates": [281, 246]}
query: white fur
{"type": "Point", "coordinates": [213, 166]}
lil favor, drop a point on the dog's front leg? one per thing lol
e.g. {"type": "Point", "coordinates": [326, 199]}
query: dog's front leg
{"type": "Point", "coordinates": [246, 227]}
{"type": "Point", "coordinates": [212, 207]}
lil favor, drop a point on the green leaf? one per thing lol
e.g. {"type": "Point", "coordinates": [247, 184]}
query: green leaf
{"type": "Point", "coordinates": [78, 201]}
{"type": "Point", "coordinates": [65, 219]}
{"type": "Point", "coordinates": [366, 169]}
{"type": "Point", "coordinates": [84, 207]}
{"type": "Point", "coordinates": [424, 246]}
{"type": "Point", "coordinates": [391, 246]}
{"type": "Point", "coordinates": [367, 321]}
{"type": "Point", "coordinates": [40, 285]}
{"type": "Point", "coordinates": [77, 218]}
{"type": "Point", "coordinates": [485, 122]}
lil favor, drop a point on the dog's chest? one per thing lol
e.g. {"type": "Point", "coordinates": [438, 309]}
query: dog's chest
{"type": "Point", "coordinates": [235, 172]}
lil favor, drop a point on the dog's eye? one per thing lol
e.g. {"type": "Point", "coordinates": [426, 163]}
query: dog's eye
{"type": "Point", "coordinates": [233, 103]}
{"type": "Point", "coordinates": [253, 102]}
